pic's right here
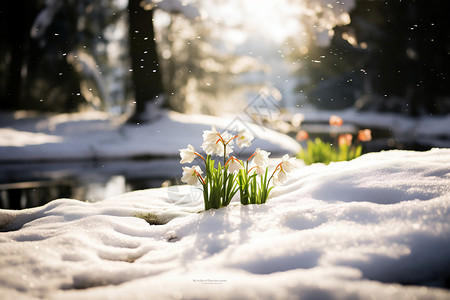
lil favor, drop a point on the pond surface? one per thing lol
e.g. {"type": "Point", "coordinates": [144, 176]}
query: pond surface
{"type": "Point", "coordinates": [25, 185]}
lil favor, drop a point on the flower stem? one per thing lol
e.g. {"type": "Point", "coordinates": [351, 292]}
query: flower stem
{"type": "Point", "coordinates": [250, 168]}
{"type": "Point", "coordinates": [276, 169]}
{"type": "Point", "coordinates": [200, 177]}
{"type": "Point", "coordinates": [231, 139]}
{"type": "Point", "coordinates": [251, 157]}
{"type": "Point", "coordinates": [200, 157]}
{"type": "Point", "coordinates": [224, 172]}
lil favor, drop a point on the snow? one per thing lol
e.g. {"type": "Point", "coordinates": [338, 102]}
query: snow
{"type": "Point", "coordinates": [349, 230]}
{"type": "Point", "coordinates": [377, 227]}
{"type": "Point", "coordinates": [96, 135]}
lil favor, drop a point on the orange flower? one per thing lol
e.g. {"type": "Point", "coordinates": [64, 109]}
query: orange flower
{"type": "Point", "coordinates": [345, 139]}
{"type": "Point", "coordinates": [336, 121]}
{"type": "Point", "coordinates": [302, 135]}
{"type": "Point", "coordinates": [365, 135]}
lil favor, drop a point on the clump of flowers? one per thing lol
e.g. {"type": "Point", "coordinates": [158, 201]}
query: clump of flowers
{"type": "Point", "coordinates": [344, 149]}
{"type": "Point", "coordinates": [254, 178]}
{"type": "Point", "coordinates": [223, 179]}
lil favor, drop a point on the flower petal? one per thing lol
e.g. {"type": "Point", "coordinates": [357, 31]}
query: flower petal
{"type": "Point", "coordinates": [187, 155]}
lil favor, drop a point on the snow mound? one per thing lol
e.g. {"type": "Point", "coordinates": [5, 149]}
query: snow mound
{"type": "Point", "coordinates": [375, 227]}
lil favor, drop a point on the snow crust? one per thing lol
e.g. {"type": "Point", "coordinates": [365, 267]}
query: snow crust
{"type": "Point", "coordinates": [377, 227]}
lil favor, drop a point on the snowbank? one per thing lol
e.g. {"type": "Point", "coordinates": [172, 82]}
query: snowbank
{"type": "Point", "coordinates": [375, 227]}
{"type": "Point", "coordinates": [95, 135]}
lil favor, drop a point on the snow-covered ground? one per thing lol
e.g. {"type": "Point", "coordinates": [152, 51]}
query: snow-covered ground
{"type": "Point", "coordinates": [377, 227]}
{"type": "Point", "coordinates": [96, 135]}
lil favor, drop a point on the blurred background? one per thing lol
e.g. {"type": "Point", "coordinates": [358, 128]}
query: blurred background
{"type": "Point", "coordinates": [73, 55]}
{"type": "Point", "coordinates": [130, 58]}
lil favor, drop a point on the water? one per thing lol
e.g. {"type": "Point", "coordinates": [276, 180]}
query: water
{"type": "Point", "coordinates": [26, 185]}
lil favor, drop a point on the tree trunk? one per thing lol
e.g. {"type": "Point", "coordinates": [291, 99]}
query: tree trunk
{"type": "Point", "coordinates": [15, 42]}
{"type": "Point", "coordinates": [146, 75]}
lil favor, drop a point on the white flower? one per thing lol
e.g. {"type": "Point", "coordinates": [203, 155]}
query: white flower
{"type": "Point", "coordinates": [210, 136]}
{"type": "Point", "coordinates": [190, 175]}
{"type": "Point", "coordinates": [258, 170]}
{"type": "Point", "coordinates": [279, 178]}
{"type": "Point", "coordinates": [234, 165]}
{"type": "Point", "coordinates": [227, 138]}
{"type": "Point", "coordinates": [244, 138]}
{"type": "Point", "coordinates": [187, 155]}
{"type": "Point", "coordinates": [287, 163]}
{"type": "Point", "coordinates": [215, 143]}
{"type": "Point", "coordinates": [213, 148]}
{"type": "Point", "coordinates": [261, 157]}
{"type": "Point", "coordinates": [211, 142]}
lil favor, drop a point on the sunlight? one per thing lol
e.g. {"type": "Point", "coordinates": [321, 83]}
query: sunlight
{"type": "Point", "coordinates": [267, 19]}
{"type": "Point", "coordinates": [276, 21]}
{"type": "Point", "coordinates": [10, 137]}
{"type": "Point", "coordinates": [242, 47]}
